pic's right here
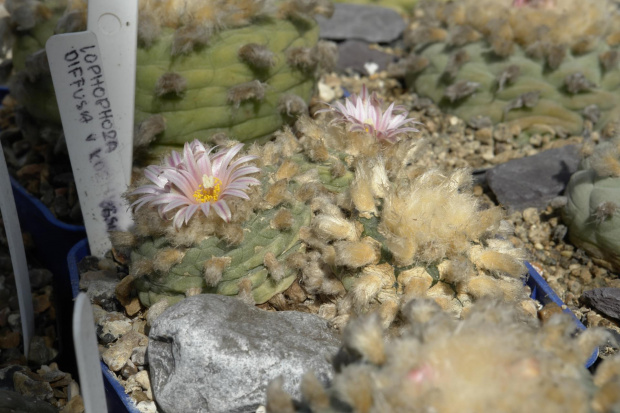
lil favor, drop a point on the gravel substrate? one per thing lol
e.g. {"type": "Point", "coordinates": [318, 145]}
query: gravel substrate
{"type": "Point", "coordinates": [37, 384]}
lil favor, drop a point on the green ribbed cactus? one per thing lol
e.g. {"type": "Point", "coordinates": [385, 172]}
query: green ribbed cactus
{"type": "Point", "coordinates": [237, 67]}
{"type": "Point", "coordinates": [543, 69]}
{"type": "Point", "coordinates": [254, 253]}
{"type": "Point", "coordinates": [246, 261]}
{"type": "Point", "coordinates": [221, 91]}
{"type": "Point", "coordinates": [592, 213]}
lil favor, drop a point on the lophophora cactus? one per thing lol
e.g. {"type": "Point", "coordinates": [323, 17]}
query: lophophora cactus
{"type": "Point", "coordinates": [367, 229]}
{"type": "Point", "coordinates": [492, 360]}
{"type": "Point", "coordinates": [539, 65]}
{"type": "Point", "coordinates": [592, 211]}
{"type": "Point", "coordinates": [241, 67]}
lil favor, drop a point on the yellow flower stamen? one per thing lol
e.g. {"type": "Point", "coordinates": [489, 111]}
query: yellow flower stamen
{"type": "Point", "coordinates": [370, 123]}
{"type": "Point", "coordinates": [209, 191]}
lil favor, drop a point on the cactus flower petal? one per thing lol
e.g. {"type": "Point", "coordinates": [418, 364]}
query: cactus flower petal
{"type": "Point", "coordinates": [363, 113]}
{"type": "Point", "coordinates": [195, 180]}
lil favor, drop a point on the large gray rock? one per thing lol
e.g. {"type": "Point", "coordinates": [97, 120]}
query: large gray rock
{"type": "Point", "coordinates": [213, 353]}
{"type": "Point", "coordinates": [370, 23]}
{"type": "Point", "coordinates": [605, 300]}
{"type": "Point", "coordinates": [533, 181]}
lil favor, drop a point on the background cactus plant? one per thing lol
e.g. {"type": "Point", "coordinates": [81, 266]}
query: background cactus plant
{"type": "Point", "coordinates": [592, 211]}
{"type": "Point", "coordinates": [493, 360]}
{"type": "Point", "coordinates": [541, 68]}
{"type": "Point", "coordinates": [238, 67]}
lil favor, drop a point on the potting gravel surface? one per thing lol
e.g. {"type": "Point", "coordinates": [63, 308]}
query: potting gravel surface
{"type": "Point", "coordinates": [37, 384]}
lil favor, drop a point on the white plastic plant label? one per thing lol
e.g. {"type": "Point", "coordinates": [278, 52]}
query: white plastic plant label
{"type": "Point", "coordinates": [87, 356]}
{"type": "Point", "coordinates": [115, 23]}
{"type": "Point", "coordinates": [18, 255]}
{"type": "Point", "coordinates": [88, 120]}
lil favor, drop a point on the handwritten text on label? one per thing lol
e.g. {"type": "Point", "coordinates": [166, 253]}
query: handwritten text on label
{"type": "Point", "coordinates": [87, 114]}
{"type": "Point", "coordinates": [87, 87]}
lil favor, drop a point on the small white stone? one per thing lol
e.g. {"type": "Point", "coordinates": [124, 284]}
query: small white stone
{"type": "Point", "coordinates": [261, 409]}
{"type": "Point", "coordinates": [488, 154]}
{"type": "Point", "coordinates": [155, 311]}
{"type": "Point", "coordinates": [73, 390]}
{"type": "Point", "coordinates": [147, 407]}
{"type": "Point", "coordinates": [138, 356]}
{"type": "Point", "coordinates": [326, 93]}
{"type": "Point", "coordinates": [371, 68]}
{"type": "Point", "coordinates": [143, 379]}
{"type": "Point", "coordinates": [14, 321]}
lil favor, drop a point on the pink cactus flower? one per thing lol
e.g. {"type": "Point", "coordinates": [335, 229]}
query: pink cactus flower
{"type": "Point", "coordinates": [196, 180]}
{"type": "Point", "coordinates": [363, 113]}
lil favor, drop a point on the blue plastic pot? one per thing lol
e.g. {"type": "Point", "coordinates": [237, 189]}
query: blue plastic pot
{"type": "Point", "coordinates": [52, 241]}
{"type": "Point", "coordinates": [119, 401]}
{"type": "Point", "coordinates": [52, 238]}
{"type": "Point", "coordinates": [542, 292]}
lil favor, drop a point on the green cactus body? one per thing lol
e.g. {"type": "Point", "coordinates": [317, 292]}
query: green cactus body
{"type": "Point", "coordinates": [204, 108]}
{"type": "Point", "coordinates": [246, 261]}
{"type": "Point", "coordinates": [555, 107]}
{"type": "Point", "coordinates": [36, 94]}
{"type": "Point", "coordinates": [588, 226]}
{"type": "Point", "coordinates": [200, 88]}
{"type": "Point", "coordinates": [444, 67]}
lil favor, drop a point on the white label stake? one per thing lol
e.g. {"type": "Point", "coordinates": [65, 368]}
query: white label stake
{"type": "Point", "coordinates": [87, 356]}
{"type": "Point", "coordinates": [18, 255]}
{"type": "Point", "coordinates": [115, 23]}
{"type": "Point", "coordinates": [88, 119]}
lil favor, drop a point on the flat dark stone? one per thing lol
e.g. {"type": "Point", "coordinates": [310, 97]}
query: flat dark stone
{"type": "Point", "coordinates": [533, 181]}
{"type": "Point", "coordinates": [604, 300]}
{"type": "Point", "coordinates": [354, 54]}
{"type": "Point", "coordinates": [370, 23]}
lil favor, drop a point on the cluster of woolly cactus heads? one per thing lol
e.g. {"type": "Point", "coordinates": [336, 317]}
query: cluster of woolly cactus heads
{"type": "Point", "coordinates": [492, 360]}
{"type": "Point", "coordinates": [242, 67]}
{"type": "Point", "coordinates": [539, 65]}
{"type": "Point", "coordinates": [343, 216]}
{"type": "Point", "coordinates": [592, 211]}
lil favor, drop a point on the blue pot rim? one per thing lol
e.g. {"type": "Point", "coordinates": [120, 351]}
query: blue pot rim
{"type": "Point", "coordinates": [45, 210]}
